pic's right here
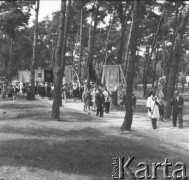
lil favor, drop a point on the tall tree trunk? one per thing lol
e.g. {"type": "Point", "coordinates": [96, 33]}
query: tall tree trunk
{"type": "Point", "coordinates": [175, 62]}
{"type": "Point", "coordinates": [172, 48]}
{"type": "Point", "coordinates": [81, 42]}
{"type": "Point", "coordinates": [163, 62]}
{"type": "Point", "coordinates": [11, 54]}
{"type": "Point", "coordinates": [91, 46]}
{"type": "Point", "coordinates": [64, 47]}
{"type": "Point", "coordinates": [52, 55]}
{"type": "Point", "coordinates": [124, 53]}
{"type": "Point", "coordinates": [123, 21]}
{"type": "Point", "coordinates": [34, 51]}
{"type": "Point", "coordinates": [146, 69]}
{"type": "Point", "coordinates": [131, 67]}
{"type": "Point", "coordinates": [152, 50]}
{"type": "Point", "coordinates": [154, 69]}
{"type": "Point", "coordinates": [88, 47]}
{"type": "Point", "coordinates": [108, 38]}
{"type": "Point", "coordinates": [157, 32]}
{"type": "Point", "coordinates": [126, 58]}
{"type": "Point", "coordinates": [57, 66]}
{"type": "Point", "coordinates": [73, 42]}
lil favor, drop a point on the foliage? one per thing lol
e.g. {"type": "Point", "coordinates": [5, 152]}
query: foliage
{"type": "Point", "coordinates": [14, 16]}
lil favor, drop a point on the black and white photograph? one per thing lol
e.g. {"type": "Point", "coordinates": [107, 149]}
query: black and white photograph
{"type": "Point", "coordinates": [94, 89]}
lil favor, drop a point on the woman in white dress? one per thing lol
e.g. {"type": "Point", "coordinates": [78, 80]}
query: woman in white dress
{"type": "Point", "coordinates": [153, 109]}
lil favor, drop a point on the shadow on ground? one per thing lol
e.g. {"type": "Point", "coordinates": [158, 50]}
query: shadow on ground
{"type": "Point", "coordinates": [86, 151]}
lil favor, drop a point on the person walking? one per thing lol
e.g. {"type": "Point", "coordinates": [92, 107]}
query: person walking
{"type": "Point", "coordinates": [161, 110]}
{"type": "Point", "coordinates": [86, 96]}
{"type": "Point", "coordinates": [178, 104]}
{"type": "Point", "coordinates": [106, 102]}
{"type": "Point", "coordinates": [43, 91]}
{"type": "Point", "coordinates": [99, 99]}
{"type": "Point", "coordinates": [93, 94]}
{"type": "Point", "coordinates": [153, 109]}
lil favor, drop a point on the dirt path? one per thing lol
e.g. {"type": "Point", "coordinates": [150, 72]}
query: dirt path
{"type": "Point", "coordinates": [81, 146]}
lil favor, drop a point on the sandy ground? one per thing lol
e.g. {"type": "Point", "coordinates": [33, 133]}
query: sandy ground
{"type": "Point", "coordinates": [80, 146]}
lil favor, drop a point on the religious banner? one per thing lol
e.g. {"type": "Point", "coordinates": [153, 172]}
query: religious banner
{"type": "Point", "coordinates": [39, 75]}
{"type": "Point", "coordinates": [48, 75]}
{"type": "Point", "coordinates": [24, 76]}
{"type": "Point", "coordinates": [111, 77]}
{"type": "Point", "coordinates": [68, 74]}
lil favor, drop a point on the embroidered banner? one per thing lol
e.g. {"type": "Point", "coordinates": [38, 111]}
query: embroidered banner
{"type": "Point", "coordinates": [24, 76]}
{"type": "Point", "coordinates": [68, 72]}
{"type": "Point", "coordinates": [111, 76]}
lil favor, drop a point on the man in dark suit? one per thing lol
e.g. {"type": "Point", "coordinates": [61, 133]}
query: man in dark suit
{"type": "Point", "coordinates": [178, 104]}
{"type": "Point", "coordinates": [99, 99]}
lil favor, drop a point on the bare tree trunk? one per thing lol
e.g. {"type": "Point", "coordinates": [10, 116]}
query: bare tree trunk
{"type": "Point", "coordinates": [145, 73]}
{"type": "Point", "coordinates": [65, 42]}
{"type": "Point", "coordinates": [34, 52]}
{"type": "Point", "coordinates": [11, 55]}
{"type": "Point", "coordinates": [108, 38]}
{"type": "Point", "coordinates": [57, 66]}
{"type": "Point", "coordinates": [52, 55]}
{"type": "Point", "coordinates": [81, 42]}
{"type": "Point", "coordinates": [152, 51]}
{"type": "Point", "coordinates": [123, 21]}
{"type": "Point", "coordinates": [126, 126]}
{"type": "Point", "coordinates": [91, 47]}
{"type": "Point", "coordinates": [163, 62]}
{"type": "Point", "coordinates": [88, 49]}
{"type": "Point", "coordinates": [172, 48]}
{"type": "Point", "coordinates": [157, 31]}
{"type": "Point", "coordinates": [127, 53]}
{"type": "Point", "coordinates": [175, 62]}
{"type": "Point", "coordinates": [154, 69]}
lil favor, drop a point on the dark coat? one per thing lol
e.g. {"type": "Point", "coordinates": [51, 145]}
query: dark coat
{"type": "Point", "coordinates": [99, 99]}
{"type": "Point", "coordinates": [161, 109]}
{"type": "Point", "coordinates": [177, 104]}
{"type": "Point", "coordinates": [42, 91]}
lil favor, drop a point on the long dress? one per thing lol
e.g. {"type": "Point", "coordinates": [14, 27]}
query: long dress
{"type": "Point", "coordinates": [154, 114]}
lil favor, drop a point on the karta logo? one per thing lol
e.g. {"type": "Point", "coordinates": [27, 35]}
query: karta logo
{"type": "Point", "coordinates": [120, 168]}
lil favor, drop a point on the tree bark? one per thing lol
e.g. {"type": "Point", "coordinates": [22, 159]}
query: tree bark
{"type": "Point", "coordinates": [11, 54]}
{"type": "Point", "coordinates": [127, 53]}
{"type": "Point", "coordinates": [152, 50]}
{"type": "Point", "coordinates": [91, 45]}
{"type": "Point", "coordinates": [126, 126]}
{"type": "Point", "coordinates": [157, 32]}
{"type": "Point", "coordinates": [145, 73]}
{"type": "Point", "coordinates": [172, 48]}
{"type": "Point", "coordinates": [108, 38]}
{"type": "Point", "coordinates": [81, 42]}
{"type": "Point", "coordinates": [34, 52]}
{"type": "Point", "coordinates": [52, 55]}
{"type": "Point", "coordinates": [65, 43]}
{"type": "Point", "coordinates": [175, 62]}
{"type": "Point", "coordinates": [154, 69]}
{"type": "Point", "coordinates": [123, 21]}
{"type": "Point", "coordinates": [57, 66]}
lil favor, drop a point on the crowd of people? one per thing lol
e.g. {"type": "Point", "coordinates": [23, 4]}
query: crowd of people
{"type": "Point", "coordinates": [9, 90]}
{"type": "Point", "coordinates": [96, 98]}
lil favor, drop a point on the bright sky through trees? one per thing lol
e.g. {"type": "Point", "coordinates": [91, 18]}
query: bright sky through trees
{"type": "Point", "coordinates": [47, 7]}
